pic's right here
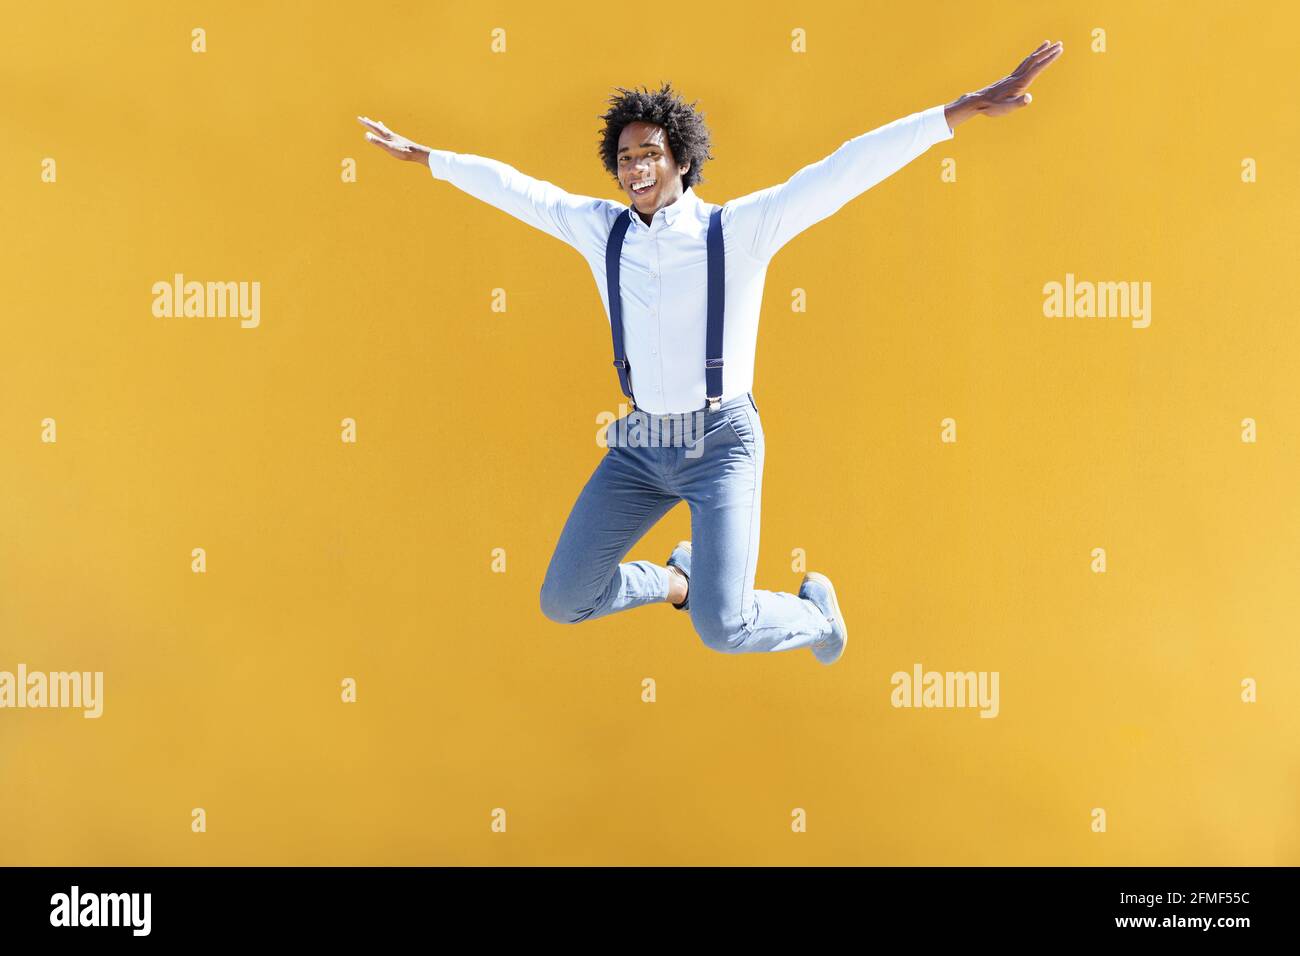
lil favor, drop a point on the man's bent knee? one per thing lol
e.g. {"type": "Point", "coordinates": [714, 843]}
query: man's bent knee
{"type": "Point", "coordinates": [720, 632]}
{"type": "Point", "coordinates": [560, 606]}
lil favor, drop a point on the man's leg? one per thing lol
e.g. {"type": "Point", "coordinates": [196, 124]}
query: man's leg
{"type": "Point", "coordinates": [723, 486]}
{"type": "Point", "coordinates": [621, 501]}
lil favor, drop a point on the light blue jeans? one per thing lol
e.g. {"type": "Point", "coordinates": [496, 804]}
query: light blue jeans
{"type": "Point", "coordinates": [714, 462]}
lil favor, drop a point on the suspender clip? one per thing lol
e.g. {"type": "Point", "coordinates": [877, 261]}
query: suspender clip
{"type": "Point", "coordinates": [714, 401]}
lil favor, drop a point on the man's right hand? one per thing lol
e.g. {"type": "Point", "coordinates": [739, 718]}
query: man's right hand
{"type": "Point", "coordinates": [399, 147]}
{"type": "Point", "coordinates": [1006, 94]}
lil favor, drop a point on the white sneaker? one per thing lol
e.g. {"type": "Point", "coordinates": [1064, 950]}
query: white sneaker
{"type": "Point", "coordinates": [818, 589]}
{"type": "Point", "coordinates": [681, 560]}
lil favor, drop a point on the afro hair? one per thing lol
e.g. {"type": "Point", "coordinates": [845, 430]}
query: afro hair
{"type": "Point", "coordinates": [688, 136]}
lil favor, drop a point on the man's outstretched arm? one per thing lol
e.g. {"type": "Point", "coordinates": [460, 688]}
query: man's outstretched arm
{"type": "Point", "coordinates": [766, 220]}
{"type": "Point", "coordinates": [534, 201]}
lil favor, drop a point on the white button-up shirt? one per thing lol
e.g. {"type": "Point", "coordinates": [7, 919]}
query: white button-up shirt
{"type": "Point", "coordinates": [664, 266]}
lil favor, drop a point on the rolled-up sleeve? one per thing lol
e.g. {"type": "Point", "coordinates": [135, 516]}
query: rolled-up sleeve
{"type": "Point", "coordinates": [766, 220]}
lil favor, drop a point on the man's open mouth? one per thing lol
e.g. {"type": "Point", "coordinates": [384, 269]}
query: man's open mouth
{"type": "Point", "coordinates": [643, 187]}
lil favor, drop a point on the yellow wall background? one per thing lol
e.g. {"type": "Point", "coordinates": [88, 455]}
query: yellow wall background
{"type": "Point", "coordinates": [477, 430]}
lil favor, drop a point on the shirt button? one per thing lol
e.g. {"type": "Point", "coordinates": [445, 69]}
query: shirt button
{"type": "Point", "coordinates": [654, 275]}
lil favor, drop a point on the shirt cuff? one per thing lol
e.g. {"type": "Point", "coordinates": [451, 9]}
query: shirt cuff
{"type": "Point", "coordinates": [440, 162]}
{"type": "Point", "coordinates": [936, 126]}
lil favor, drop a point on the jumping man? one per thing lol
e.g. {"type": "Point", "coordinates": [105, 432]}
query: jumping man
{"type": "Point", "coordinates": [666, 262]}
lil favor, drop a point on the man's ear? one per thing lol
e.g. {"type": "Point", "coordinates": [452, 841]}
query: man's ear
{"type": "Point", "coordinates": [684, 168]}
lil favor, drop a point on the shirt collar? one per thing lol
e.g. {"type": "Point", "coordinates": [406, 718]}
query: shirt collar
{"type": "Point", "coordinates": [687, 201]}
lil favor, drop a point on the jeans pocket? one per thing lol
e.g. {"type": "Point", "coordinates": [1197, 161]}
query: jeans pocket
{"type": "Point", "coordinates": [743, 429]}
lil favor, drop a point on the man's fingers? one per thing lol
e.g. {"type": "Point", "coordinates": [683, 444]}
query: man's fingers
{"type": "Point", "coordinates": [1030, 59]}
{"type": "Point", "coordinates": [378, 140]}
{"type": "Point", "coordinates": [1014, 101]}
{"type": "Point", "coordinates": [376, 126]}
{"type": "Point", "coordinates": [398, 150]}
{"type": "Point", "coordinates": [1033, 53]}
{"type": "Point", "coordinates": [1009, 94]}
{"type": "Point", "coordinates": [1042, 63]}
{"type": "Point", "coordinates": [1040, 57]}
{"type": "Point", "coordinates": [1036, 65]}
{"type": "Point", "coordinates": [1048, 53]}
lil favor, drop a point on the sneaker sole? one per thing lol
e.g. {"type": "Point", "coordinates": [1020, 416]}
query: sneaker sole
{"type": "Point", "coordinates": [835, 607]}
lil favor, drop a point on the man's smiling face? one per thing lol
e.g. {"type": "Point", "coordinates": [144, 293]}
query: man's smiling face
{"type": "Point", "coordinates": [644, 157]}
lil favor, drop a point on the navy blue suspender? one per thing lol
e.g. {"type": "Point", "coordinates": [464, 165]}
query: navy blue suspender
{"type": "Point", "coordinates": [613, 248]}
{"type": "Point", "coordinates": [716, 307]}
{"type": "Point", "coordinates": [713, 333]}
